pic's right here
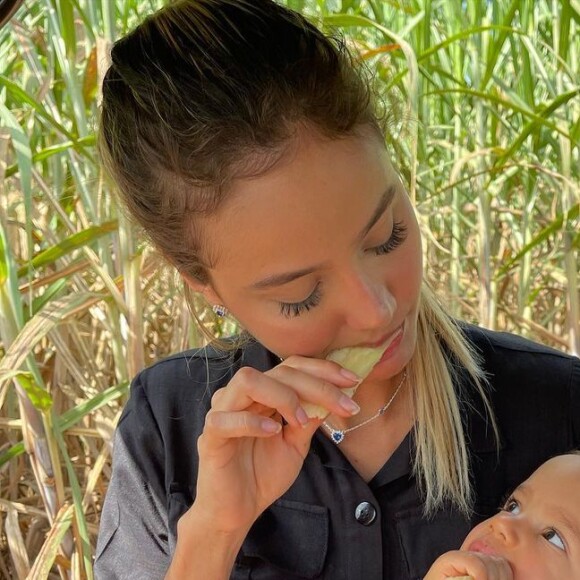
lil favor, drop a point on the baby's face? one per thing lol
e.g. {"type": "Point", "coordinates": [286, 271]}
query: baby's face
{"type": "Point", "coordinates": [538, 529]}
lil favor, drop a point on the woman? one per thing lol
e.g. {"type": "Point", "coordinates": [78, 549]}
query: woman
{"type": "Point", "coordinates": [247, 145]}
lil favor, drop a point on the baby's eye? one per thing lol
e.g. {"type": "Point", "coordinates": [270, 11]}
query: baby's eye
{"type": "Point", "coordinates": [512, 506]}
{"type": "Point", "coordinates": [554, 538]}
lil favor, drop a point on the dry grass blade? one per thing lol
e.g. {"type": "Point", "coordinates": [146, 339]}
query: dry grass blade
{"type": "Point", "coordinates": [45, 559]}
{"type": "Point", "coordinates": [38, 326]}
{"type": "Point", "coordinates": [16, 543]}
{"type": "Point", "coordinates": [481, 111]}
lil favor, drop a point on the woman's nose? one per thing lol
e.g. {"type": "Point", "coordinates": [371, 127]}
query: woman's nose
{"type": "Point", "coordinates": [368, 304]}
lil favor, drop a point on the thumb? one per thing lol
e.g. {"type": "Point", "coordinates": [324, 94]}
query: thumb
{"type": "Point", "coordinates": [300, 437]}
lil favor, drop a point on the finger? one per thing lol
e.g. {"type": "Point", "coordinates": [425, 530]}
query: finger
{"type": "Point", "coordinates": [459, 564]}
{"type": "Point", "coordinates": [324, 369]}
{"type": "Point", "coordinates": [300, 437]}
{"type": "Point", "coordinates": [249, 387]}
{"type": "Point", "coordinates": [487, 567]}
{"type": "Point", "coordinates": [227, 425]}
{"type": "Point", "coordinates": [317, 391]}
{"type": "Point", "coordinates": [453, 564]}
{"type": "Point", "coordinates": [282, 391]}
{"type": "Point", "coordinates": [503, 570]}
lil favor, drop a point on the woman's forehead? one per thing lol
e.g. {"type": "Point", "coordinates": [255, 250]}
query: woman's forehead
{"type": "Point", "coordinates": [319, 195]}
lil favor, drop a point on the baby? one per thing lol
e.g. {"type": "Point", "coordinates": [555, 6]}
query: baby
{"type": "Point", "coordinates": [536, 535]}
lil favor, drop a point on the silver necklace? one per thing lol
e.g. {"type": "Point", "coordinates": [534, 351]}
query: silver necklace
{"type": "Point", "coordinates": [337, 435]}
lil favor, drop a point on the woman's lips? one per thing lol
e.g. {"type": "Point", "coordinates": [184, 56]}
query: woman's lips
{"type": "Point", "coordinates": [393, 343]}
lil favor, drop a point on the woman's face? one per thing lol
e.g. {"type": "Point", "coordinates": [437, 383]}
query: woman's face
{"type": "Point", "coordinates": [321, 252]}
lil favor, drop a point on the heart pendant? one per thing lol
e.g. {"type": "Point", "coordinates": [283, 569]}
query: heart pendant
{"type": "Point", "coordinates": [337, 436]}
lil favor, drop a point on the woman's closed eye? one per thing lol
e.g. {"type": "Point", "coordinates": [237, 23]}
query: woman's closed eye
{"type": "Point", "coordinates": [397, 237]}
{"type": "Point", "coordinates": [293, 309]}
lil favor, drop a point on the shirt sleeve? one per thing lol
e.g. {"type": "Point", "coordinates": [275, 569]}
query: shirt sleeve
{"type": "Point", "coordinates": [132, 541]}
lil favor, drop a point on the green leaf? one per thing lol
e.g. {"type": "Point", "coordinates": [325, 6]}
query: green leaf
{"type": "Point", "coordinates": [84, 548]}
{"type": "Point", "coordinates": [533, 125]}
{"type": "Point", "coordinates": [505, 103]}
{"type": "Point", "coordinates": [12, 452]}
{"type": "Point", "coordinates": [37, 395]}
{"type": "Point", "coordinates": [540, 238]}
{"type": "Point", "coordinates": [464, 34]}
{"type": "Point", "coordinates": [22, 97]}
{"type": "Point", "coordinates": [51, 150]}
{"type": "Point", "coordinates": [66, 246]}
{"type": "Point", "coordinates": [49, 294]}
{"type": "Point", "coordinates": [564, 20]}
{"type": "Point", "coordinates": [71, 417]}
{"type": "Point", "coordinates": [21, 146]}
{"type": "Point", "coordinates": [495, 48]}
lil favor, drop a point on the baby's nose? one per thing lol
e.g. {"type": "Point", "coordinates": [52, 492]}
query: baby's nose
{"type": "Point", "coordinates": [505, 530]}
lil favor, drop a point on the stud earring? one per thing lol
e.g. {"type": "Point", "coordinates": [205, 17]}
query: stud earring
{"type": "Point", "coordinates": [219, 310]}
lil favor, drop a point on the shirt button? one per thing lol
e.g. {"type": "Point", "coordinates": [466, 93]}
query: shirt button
{"type": "Point", "coordinates": [365, 513]}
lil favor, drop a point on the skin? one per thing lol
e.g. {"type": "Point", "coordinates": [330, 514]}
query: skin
{"type": "Point", "coordinates": [536, 535]}
{"type": "Point", "coordinates": [307, 211]}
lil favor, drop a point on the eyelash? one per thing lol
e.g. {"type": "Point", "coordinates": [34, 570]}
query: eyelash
{"type": "Point", "coordinates": [505, 504]}
{"type": "Point", "coordinates": [293, 309]}
{"type": "Point", "coordinates": [512, 500]}
{"type": "Point", "coordinates": [397, 237]}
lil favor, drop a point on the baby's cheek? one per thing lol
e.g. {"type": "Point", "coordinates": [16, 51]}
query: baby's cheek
{"type": "Point", "coordinates": [475, 534]}
{"type": "Point", "coordinates": [529, 565]}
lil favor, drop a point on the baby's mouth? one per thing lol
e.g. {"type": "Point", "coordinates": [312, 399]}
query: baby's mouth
{"type": "Point", "coordinates": [482, 547]}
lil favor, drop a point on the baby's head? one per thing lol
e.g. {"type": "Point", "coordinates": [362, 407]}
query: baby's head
{"type": "Point", "coordinates": [538, 528]}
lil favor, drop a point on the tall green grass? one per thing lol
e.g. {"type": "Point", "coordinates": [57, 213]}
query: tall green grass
{"type": "Point", "coordinates": [482, 101]}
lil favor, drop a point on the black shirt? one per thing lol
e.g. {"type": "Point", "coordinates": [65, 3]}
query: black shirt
{"type": "Point", "coordinates": [330, 524]}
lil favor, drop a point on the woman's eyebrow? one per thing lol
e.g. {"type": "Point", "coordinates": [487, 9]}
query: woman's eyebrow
{"type": "Point", "coordinates": [286, 277]}
{"type": "Point", "coordinates": [384, 203]}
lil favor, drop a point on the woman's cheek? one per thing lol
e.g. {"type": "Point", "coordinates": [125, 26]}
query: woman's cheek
{"type": "Point", "coordinates": [294, 336]}
{"type": "Point", "coordinates": [312, 340]}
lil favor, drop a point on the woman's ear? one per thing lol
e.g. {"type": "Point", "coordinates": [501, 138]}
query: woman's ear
{"type": "Point", "coordinates": [204, 288]}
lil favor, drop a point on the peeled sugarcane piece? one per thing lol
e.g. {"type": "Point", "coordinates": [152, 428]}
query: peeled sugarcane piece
{"type": "Point", "coordinates": [358, 359]}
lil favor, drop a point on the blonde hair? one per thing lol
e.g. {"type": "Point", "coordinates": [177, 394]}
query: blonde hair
{"type": "Point", "coordinates": [204, 91]}
{"type": "Point", "coordinates": [441, 462]}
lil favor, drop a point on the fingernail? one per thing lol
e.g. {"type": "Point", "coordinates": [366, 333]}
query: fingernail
{"type": "Point", "coordinates": [301, 416]}
{"type": "Point", "coordinates": [348, 405]}
{"type": "Point", "coordinates": [271, 426]}
{"type": "Point", "coordinates": [349, 375]}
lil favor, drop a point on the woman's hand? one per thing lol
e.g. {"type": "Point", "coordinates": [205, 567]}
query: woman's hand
{"type": "Point", "coordinates": [478, 566]}
{"type": "Point", "coordinates": [247, 457]}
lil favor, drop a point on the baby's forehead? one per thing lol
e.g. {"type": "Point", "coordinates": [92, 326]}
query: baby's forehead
{"type": "Point", "coordinates": [560, 466]}
{"type": "Point", "coordinates": [556, 483]}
